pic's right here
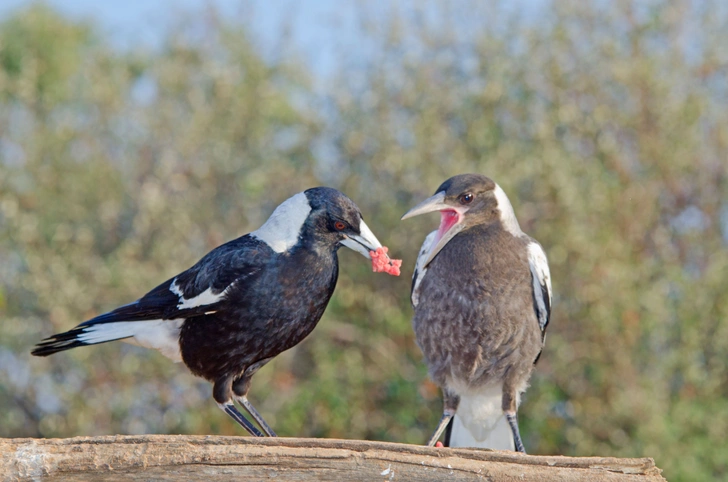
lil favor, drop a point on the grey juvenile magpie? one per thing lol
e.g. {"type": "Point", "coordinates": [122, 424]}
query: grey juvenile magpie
{"type": "Point", "coordinates": [244, 302]}
{"type": "Point", "coordinates": [481, 293]}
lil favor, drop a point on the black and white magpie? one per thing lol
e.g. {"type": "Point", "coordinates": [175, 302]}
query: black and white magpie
{"type": "Point", "coordinates": [481, 293]}
{"type": "Point", "coordinates": [244, 302]}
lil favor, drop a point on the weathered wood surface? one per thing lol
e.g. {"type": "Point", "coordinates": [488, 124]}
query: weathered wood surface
{"type": "Point", "coordinates": [214, 458]}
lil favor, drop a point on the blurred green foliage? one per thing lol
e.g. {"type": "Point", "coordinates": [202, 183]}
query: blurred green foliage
{"type": "Point", "coordinates": [606, 123]}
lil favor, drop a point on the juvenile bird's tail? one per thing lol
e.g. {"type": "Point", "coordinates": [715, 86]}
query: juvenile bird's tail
{"type": "Point", "coordinates": [479, 421]}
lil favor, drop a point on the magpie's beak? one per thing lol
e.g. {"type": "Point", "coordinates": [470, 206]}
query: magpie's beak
{"type": "Point", "coordinates": [364, 242]}
{"type": "Point", "coordinates": [431, 204]}
{"type": "Point", "coordinates": [451, 222]}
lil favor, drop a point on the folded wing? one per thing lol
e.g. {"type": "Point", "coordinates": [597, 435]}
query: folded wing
{"type": "Point", "coordinates": [155, 319]}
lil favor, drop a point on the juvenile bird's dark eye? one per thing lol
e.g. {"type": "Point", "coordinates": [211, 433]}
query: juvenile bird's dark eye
{"type": "Point", "coordinates": [466, 198]}
{"type": "Point", "coordinates": [340, 226]}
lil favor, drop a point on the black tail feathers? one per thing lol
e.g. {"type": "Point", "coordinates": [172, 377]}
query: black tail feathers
{"type": "Point", "coordinates": [60, 342]}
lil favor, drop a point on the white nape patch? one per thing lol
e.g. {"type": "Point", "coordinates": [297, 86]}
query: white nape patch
{"type": "Point", "coordinates": [479, 421]}
{"type": "Point", "coordinates": [283, 227]}
{"type": "Point", "coordinates": [162, 335]}
{"type": "Point", "coordinates": [541, 276]}
{"type": "Point", "coordinates": [507, 215]}
{"type": "Point", "coordinates": [207, 297]}
{"type": "Point", "coordinates": [420, 268]}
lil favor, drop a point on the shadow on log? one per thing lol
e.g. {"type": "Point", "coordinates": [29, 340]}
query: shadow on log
{"type": "Point", "coordinates": [214, 458]}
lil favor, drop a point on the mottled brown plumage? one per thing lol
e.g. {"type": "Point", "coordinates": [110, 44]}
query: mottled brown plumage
{"type": "Point", "coordinates": [479, 318]}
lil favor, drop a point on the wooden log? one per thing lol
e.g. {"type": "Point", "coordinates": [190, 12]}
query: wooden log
{"type": "Point", "coordinates": [215, 458]}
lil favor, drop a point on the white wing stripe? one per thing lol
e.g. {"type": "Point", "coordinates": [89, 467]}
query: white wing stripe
{"type": "Point", "coordinates": [207, 297]}
{"type": "Point", "coordinates": [541, 277]}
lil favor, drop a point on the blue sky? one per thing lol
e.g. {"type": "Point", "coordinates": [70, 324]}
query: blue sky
{"type": "Point", "coordinates": [320, 29]}
{"type": "Point", "coordinates": [316, 26]}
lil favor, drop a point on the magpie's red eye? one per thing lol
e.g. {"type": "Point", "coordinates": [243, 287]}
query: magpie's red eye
{"type": "Point", "coordinates": [340, 226]}
{"type": "Point", "coordinates": [466, 198]}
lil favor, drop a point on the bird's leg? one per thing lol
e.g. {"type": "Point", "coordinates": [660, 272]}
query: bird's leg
{"type": "Point", "coordinates": [256, 416]}
{"type": "Point", "coordinates": [240, 392]}
{"type": "Point", "coordinates": [446, 416]}
{"type": "Point", "coordinates": [221, 392]}
{"type": "Point", "coordinates": [513, 422]}
{"type": "Point", "coordinates": [510, 406]}
{"type": "Point", "coordinates": [230, 409]}
{"type": "Point", "coordinates": [451, 402]}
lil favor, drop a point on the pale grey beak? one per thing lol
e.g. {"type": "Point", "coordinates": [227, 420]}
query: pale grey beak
{"type": "Point", "coordinates": [364, 242]}
{"type": "Point", "coordinates": [431, 204]}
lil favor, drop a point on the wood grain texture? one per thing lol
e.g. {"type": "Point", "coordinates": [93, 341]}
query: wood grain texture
{"type": "Point", "coordinates": [214, 458]}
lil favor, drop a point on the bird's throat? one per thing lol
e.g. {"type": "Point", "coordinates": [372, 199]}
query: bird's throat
{"type": "Point", "coordinates": [448, 219]}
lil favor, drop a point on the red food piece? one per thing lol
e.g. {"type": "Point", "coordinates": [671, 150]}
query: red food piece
{"type": "Point", "coordinates": [438, 444]}
{"type": "Point", "coordinates": [381, 263]}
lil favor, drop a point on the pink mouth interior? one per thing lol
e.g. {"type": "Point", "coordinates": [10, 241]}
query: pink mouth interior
{"type": "Point", "coordinates": [448, 219]}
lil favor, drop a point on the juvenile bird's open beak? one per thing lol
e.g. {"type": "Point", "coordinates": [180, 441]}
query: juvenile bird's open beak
{"type": "Point", "coordinates": [451, 218]}
{"type": "Point", "coordinates": [364, 242]}
{"type": "Point", "coordinates": [434, 203]}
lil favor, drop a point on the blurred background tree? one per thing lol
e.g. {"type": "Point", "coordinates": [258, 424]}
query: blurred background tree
{"type": "Point", "coordinates": [605, 122]}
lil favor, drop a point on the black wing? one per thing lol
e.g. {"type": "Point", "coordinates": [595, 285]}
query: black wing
{"type": "Point", "coordinates": [199, 290]}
